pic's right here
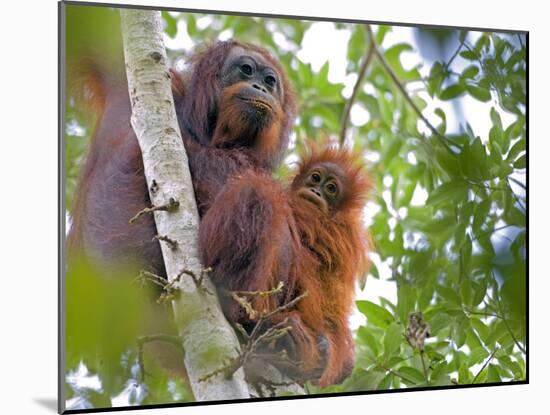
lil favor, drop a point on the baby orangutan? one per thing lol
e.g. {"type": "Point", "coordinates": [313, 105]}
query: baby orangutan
{"type": "Point", "coordinates": [327, 197]}
{"type": "Point", "coordinates": [310, 237]}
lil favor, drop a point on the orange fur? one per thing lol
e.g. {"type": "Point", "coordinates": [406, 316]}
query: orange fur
{"type": "Point", "coordinates": [334, 256]}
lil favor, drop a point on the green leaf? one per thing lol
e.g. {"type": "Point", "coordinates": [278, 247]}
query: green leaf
{"type": "Point", "coordinates": [478, 92]}
{"type": "Point", "coordinates": [392, 150]}
{"type": "Point", "coordinates": [451, 92]}
{"type": "Point", "coordinates": [450, 192]}
{"type": "Point", "coordinates": [375, 314]}
{"type": "Point", "coordinates": [448, 162]}
{"type": "Point", "coordinates": [393, 57]}
{"type": "Point", "coordinates": [473, 160]}
{"type": "Point", "coordinates": [469, 55]}
{"type": "Point", "coordinates": [357, 44]}
{"type": "Point", "coordinates": [381, 33]}
{"type": "Point", "coordinates": [449, 294]}
{"type": "Point", "coordinates": [461, 331]}
{"type": "Point", "coordinates": [374, 272]}
{"type": "Point", "coordinates": [482, 43]}
{"type": "Point", "coordinates": [191, 23]}
{"type": "Point", "coordinates": [466, 291]}
{"type": "Point", "coordinates": [363, 380]}
{"type": "Point", "coordinates": [392, 339]}
{"type": "Point", "coordinates": [305, 75]}
{"type": "Point", "coordinates": [386, 110]}
{"type": "Point", "coordinates": [492, 374]}
{"type": "Point", "coordinates": [481, 213]}
{"type": "Point", "coordinates": [495, 118]}
{"type": "Point", "coordinates": [170, 27]}
{"type": "Point", "coordinates": [435, 79]}
{"type": "Point", "coordinates": [464, 375]}
{"type": "Point", "coordinates": [438, 322]}
{"type": "Point", "coordinates": [386, 382]}
{"type": "Point", "coordinates": [516, 129]}
{"type": "Point", "coordinates": [328, 115]}
{"type": "Point", "coordinates": [406, 301]}
{"type": "Point", "coordinates": [413, 376]}
{"type": "Point", "coordinates": [521, 163]}
{"type": "Point", "coordinates": [323, 72]}
{"type": "Point", "coordinates": [470, 72]}
{"type": "Point", "coordinates": [498, 331]}
{"type": "Point", "coordinates": [366, 336]}
{"type": "Point", "coordinates": [443, 126]}
{"type": "Point", "coordinates": [408, 192]}
{"type": "Point", "coordinates": [495, 137]}
{"type": "Point", "coordinates": [477, 356]}
{"type": "Point", "coordinates": [511, 366]}
{"type": "Point", "coordinates": [516, 150]}
{"type": "Point", "coordinates": [479, 292]}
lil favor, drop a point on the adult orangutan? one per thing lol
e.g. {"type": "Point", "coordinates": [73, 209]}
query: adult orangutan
{"type": "Point", "coordinates": [235, 109]}
{"type": "Point", "coordinates": [320, 216]}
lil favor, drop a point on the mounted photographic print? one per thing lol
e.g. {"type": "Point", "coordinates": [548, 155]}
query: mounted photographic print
{"type": "Point", "coordinates": [257, 207]}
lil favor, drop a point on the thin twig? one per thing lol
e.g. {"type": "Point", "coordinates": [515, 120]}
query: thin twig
{"type": "Point", "coordinates": [516, 181]}
{"type": "Point", "coordinates": [491, 231]}
{"type": "Point", "coordinates": [146, 276]}
{"type": "Point", "coordinates": [405, 94]}
{"type": "Point", "coordinates": [245, 305]}
{"type": "Point", "coordinates": [168, 207]}
{"type": "Point", "coordinates": [260, 294]}
{"type": "Point", "coordinates": [483, 186]}
{"type": "Point", "coordinates": [520, 41]}
{"type": "Point", "coordinates": [198, 280]}
{"type": "Point", "coordinates": [286, 306]}
{"type": "Point", "coordinates": [171, 242]}
{"type": "Point", "coordinates": [455, 54]}
{"type": "Point", "coordinates": [256, 338]}
{"type": "Point", "coordinates": [477, 313]}
{"type": "Point", "coordinates": [391, 371]}
{"type": "Point", "coordinates": [485, 365]}
{"type": "Point", "coordinates": [231, 366]}
{"type": "Point", "coordinates": [499, 305]}
{"type": "Point", "coordinates": [357, 87]}
{"type": "Point", "coordinates": [516, 197]}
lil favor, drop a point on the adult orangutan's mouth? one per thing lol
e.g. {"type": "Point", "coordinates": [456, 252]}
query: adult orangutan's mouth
{"type": "Point", "coordinates": [258, 103]}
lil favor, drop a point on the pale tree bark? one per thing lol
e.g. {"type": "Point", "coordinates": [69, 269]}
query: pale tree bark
{"type": "Point", "coordinates": [207, 338]}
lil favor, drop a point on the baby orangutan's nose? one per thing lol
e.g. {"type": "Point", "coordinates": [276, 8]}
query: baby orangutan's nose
{"type": "Point", "coordinates": [315, 190]}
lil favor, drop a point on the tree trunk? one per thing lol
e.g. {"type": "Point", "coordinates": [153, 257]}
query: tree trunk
{"type": "Point", "coordinates": [207, 338]}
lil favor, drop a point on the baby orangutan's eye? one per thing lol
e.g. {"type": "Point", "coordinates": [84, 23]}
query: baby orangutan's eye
{"type": "Point", "coordinates": [332, 188]}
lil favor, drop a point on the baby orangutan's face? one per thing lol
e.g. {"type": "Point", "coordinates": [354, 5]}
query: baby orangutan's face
{"type": "Point", "coordinates": [323, 186]}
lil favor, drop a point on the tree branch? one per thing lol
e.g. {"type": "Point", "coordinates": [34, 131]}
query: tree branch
{"type": "Point", "coordinates": [405, 94]}
{"type": "Point", "coordinates": [485, 365]}
{"type": "Point", "coordinates": [357, 87]}
{"type": "Point", "coordinates": [516, 181]}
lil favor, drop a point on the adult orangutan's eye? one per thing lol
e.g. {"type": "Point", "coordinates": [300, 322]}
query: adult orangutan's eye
{"type": "Point", "coordinates": [270, 80]}
{"type": "Point", "coordinates": [246, 69]}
